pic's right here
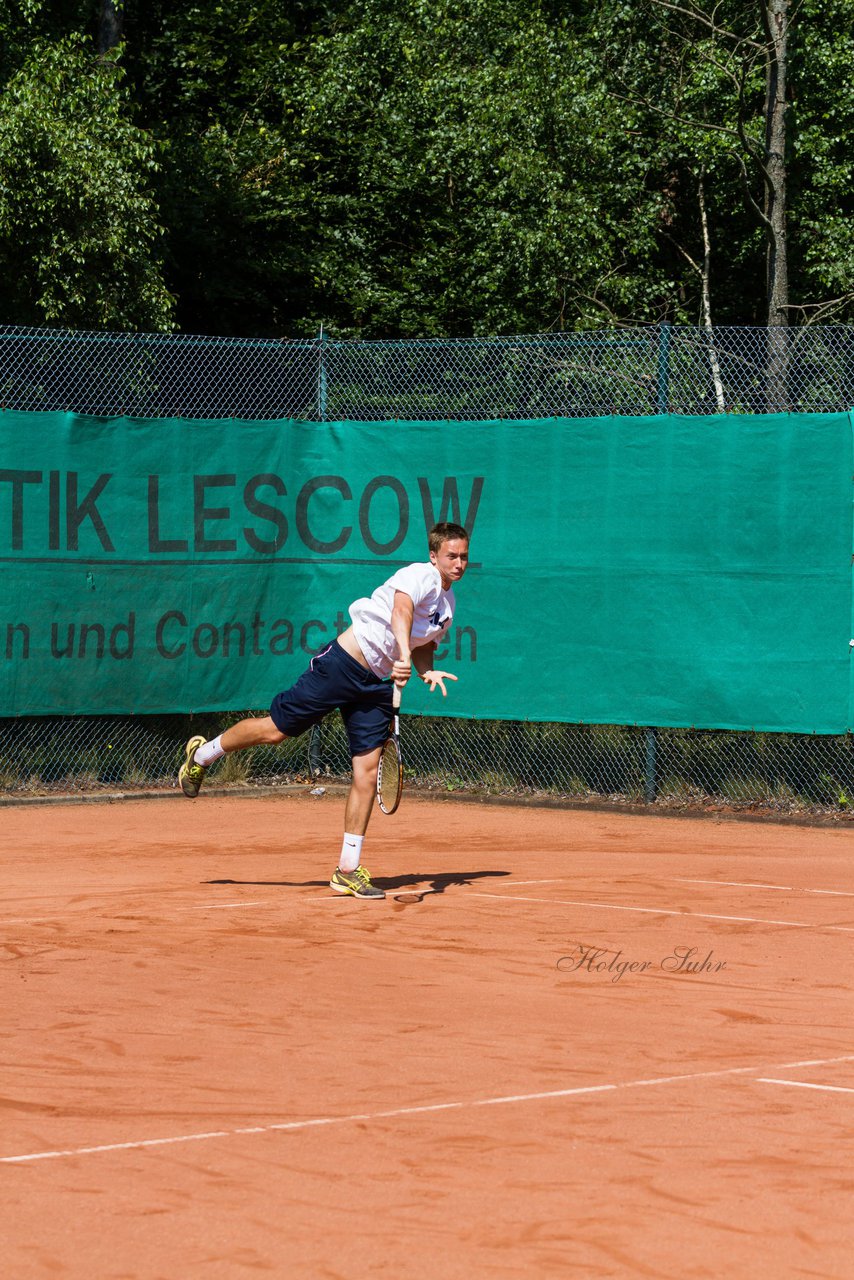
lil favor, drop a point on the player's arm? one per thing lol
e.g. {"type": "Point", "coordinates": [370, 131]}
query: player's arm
{"type": "Point", "coordinates": [422, 658]}
{"type": "Point", "coordinates": [422, 661]}
{"type": "Point", "coordinates": [402, 614]}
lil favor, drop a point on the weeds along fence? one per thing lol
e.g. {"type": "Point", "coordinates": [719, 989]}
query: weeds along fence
{"type": "Point", "coordinates": [680, 769]}
{"type": "Point", "coordinates": [631, 372]}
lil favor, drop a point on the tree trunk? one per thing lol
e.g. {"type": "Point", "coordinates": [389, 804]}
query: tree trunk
{"type": "Point", "coordinates": [777, 22]}
{"type": "Point", "coordinates": [776, 19]}
{"type": "Point", "coordinates": [705, 276]}
{"type": "Point", "coordinates": [110, 25]}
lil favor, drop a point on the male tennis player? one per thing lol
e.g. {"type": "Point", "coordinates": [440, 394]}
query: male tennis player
{"type": "Point", "coordinates": [392, 631]}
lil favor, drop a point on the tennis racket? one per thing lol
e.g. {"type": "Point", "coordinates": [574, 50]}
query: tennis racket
{"type": "Point", "coordinates": [390, 767]}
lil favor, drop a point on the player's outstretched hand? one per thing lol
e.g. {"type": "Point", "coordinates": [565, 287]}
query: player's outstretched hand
{"type": "Point", "coordinates": [434, 678]}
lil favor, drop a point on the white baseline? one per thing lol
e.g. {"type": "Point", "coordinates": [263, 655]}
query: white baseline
{"type": "Point", "coordinates": [398, 1112]}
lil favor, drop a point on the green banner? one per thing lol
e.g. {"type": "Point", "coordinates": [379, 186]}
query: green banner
{"type": "Point", "coordinates": [665, 570]}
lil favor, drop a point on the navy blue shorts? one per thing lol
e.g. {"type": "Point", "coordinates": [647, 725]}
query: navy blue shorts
{"type": "Point", "coordinates": [334, 679]}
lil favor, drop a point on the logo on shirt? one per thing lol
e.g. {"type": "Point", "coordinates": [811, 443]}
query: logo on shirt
{"type": "Point", "coordinates": [437, 620]}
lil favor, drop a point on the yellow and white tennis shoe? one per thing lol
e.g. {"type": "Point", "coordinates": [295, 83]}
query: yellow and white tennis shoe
{"type": "Point", "coordinates": [358, 883]}
{"type": "Point", "coordinates": [192, 775]}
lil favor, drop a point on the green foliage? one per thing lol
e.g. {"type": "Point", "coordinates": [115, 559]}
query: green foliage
{"type": "Point", "coordinates": [704, 98]}
{"type": "Point", "coordinates": [823, 163]}
{"type": "Point", "coordinates": [207, 80]}
{"type": "Point", "coordinates": [682, 83]}
{"type": "Point", "coordinates": [78, 228]}
{"type": "Point", "coordinates": [460, 161]}
{"type": "Point", "coordinates": [412, 167]}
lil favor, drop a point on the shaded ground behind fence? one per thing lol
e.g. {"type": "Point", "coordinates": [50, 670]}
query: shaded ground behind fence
{"type": "Point", "coordinates": [782, 773]}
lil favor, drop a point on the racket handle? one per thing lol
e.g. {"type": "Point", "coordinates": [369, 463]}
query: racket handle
{"type": "Point", "coordinates": [395, 697]}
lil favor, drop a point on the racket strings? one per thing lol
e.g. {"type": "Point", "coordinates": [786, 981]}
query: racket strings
{"type": "Point", "coordinates": [389, 777]}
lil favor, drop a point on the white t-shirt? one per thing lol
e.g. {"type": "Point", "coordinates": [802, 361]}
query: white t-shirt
{"type": "Point", "coordinates": [432, 614]}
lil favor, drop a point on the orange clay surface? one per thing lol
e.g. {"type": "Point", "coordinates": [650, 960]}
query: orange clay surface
{"type": "Point", "coordinates": [212, 1066]}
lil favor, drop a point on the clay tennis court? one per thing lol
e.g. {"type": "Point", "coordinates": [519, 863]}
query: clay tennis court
{"type": "Point", "coordinates": [213, 1066]}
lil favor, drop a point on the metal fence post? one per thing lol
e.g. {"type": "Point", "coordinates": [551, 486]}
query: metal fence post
{"type": "Point", "coordinates": [650, 773]}
{"type": "Point", "coordinates": [663, 370]}
{"type": "Point", "coordinates": [322, 394]}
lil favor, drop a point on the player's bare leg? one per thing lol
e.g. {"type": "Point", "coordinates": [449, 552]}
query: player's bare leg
{"type": "Point", "coordinates": [350, 876]}
{"type": "Point", "coordinates": [253, 732]}
{"type": "Point", "coordinates": [362, 793]}
{"type": "Point", "coordinates": [200, 754]}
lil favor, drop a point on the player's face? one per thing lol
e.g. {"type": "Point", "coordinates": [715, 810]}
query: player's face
{"type": "Point", "coordinates": [451, 560]}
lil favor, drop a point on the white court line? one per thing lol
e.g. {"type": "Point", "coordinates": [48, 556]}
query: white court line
{"type": "Point", "coordinates": [363, 1117]}
{"type": "Point", "coordinates": [221, 906]}
{"type": "Point", "coordinates": [414, 888]}
{"type": "Point", "coordinates": [749, 884]}
{"type": "Point", "coordinates": [126, 913]}
{"type": "Point", "coordinates": [663, 911]}
{"type": "Point", "coordinates": [133, 913]}
{"type": "Point", "coordinates": [601, 906]}
{"type": "Point", "coordinates": [555, 880]}
{"type": "Point", "coordinates": [802, 1084]}
{"type": "Point", "coordinates": [35, 919]}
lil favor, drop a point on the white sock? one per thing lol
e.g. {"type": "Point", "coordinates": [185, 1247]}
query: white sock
{"type": "Point", "coordinates": [351, 852]}
{"type": "Point", "coordinates": [208, 752]}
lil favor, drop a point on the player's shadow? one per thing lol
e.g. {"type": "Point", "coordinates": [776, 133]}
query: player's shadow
{"type": "Point", "coordinates": [435, 883]}
{"type": "Point", "coordinates": [410, 883]}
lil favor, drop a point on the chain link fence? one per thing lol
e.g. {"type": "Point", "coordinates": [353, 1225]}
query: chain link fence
{"type": "Point", "coordinates": [627, 372]}
{"type": "Point", "coordinates": [658, 369]}
{"type": "Point", "coordinates": [674, 769]}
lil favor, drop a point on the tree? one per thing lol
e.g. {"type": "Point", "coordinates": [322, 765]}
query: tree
{"type": "Point", "coordinates": [207, 83]}
{"type": "Point", "coordinates": [822, 166]}
{"type": "Point", "coordinates": [408, 167]}
{"type": "Point", "coordinates": [772, 162]}
{"type": "Point", "coordinates": [716, 76]}
{"type": "Point", "coordinates": [110, 25]}
{"type": "Point", "coordinates": [457, 167]}
{"type": "Point", "coordinates": [78, 227]}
